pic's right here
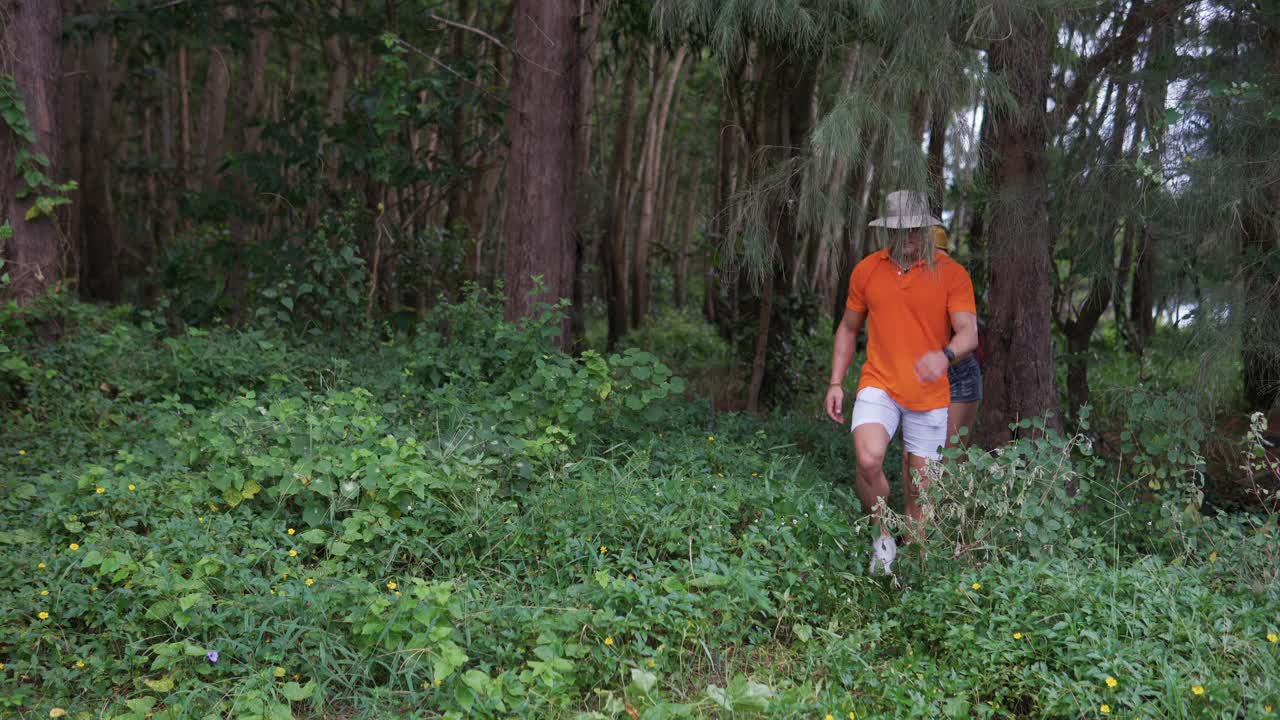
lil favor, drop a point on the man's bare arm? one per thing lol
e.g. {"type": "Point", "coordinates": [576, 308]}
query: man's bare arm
{"type": "Point", "coordinates": [846, 343]}
{"type": "Point", "coordinates": [841, 355]}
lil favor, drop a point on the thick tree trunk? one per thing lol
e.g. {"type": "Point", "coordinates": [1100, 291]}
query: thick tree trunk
{"type": "Point", "coordinates": [1019, 374]}
{"type": "Point", "coordinates": [31, 52]}
{"type": "Point", "coordinates": [793, 93]}
{"type": "Point", "coordinates": [541, 184]}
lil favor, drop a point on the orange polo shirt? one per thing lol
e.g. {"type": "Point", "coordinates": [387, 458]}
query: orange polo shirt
{"type": "Point", "coordinates": [908, 314]}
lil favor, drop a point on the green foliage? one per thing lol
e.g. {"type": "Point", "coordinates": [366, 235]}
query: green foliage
{"type": "Point", "coordinates": [239, 526]}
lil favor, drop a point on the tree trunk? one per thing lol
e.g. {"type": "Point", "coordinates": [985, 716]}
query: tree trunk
{"type": "Point", "coordinates": [936, 154]}
{"type": "Point", "coordinates": [585, 64]}
{"type": "Point", "coordinates": [615, 244]}
{"type": "Point", "coordinates": [31, 53]}
{"type": "Point", "coordinates": [650, 175]}
{"type": "Point", "coordinates": [541, 183]}
{"type": "Point", "coordinates": [186, 170]}
{"type": "Point", "coordinates": [1019, 373]}
{"type": "Point", "coordinates": [684, 241]}
{"type": "Point", "coordinates": [339, 64]}
{"type": "Point", "coordinates": [100, 272]}
{"type": "Point", "coordinates": [1079, 333]}
{"type": "Point", "coordinates": [70, 120]}
{"type": "Point", "coordinates": [217, 84]}
{"type": "Point", "coordinates": [248, 132]}
{"type": "Point", "coordinates": [793, 92]}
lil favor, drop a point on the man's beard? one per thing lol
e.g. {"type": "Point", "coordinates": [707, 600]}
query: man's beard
{"type": "Point", "coordinates": [900, 250]}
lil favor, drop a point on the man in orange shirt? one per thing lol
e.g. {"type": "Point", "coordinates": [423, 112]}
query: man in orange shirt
{"type": "Point", "coordinates": [918, 306]}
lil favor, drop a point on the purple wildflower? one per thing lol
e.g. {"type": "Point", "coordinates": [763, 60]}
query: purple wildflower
{"type": "Point", "coordinates": [212, 655]}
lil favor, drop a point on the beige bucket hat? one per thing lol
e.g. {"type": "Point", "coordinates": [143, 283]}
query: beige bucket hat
{"type": "Point", "coordinates": [905, 209]}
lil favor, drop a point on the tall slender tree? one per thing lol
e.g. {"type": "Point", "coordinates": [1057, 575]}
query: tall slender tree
{"type": "Point", "coordinates": [541, 179]}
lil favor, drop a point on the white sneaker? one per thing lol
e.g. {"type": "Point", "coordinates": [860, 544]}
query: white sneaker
{"type": "Point", "coordinates": [883, 552]}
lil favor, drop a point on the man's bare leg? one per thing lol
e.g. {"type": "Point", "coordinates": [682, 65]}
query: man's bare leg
{"type": "Point", "coordinates": [870, 442]}
{"type": "Point", "coordinates": [913, 482]}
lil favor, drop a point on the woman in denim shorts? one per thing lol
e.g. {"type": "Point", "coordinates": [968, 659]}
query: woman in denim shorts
{"type": "Point", "coordinates": [965, 377]}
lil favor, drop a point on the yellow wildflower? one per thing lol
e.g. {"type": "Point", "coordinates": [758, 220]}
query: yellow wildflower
{"type": "Point", "coordinates": [604, 550]}
{"type": "Point", "coordinates": [1105, 709]}
{"type": "Point", "coordinates": [74, 546]}
{"type": "Point", "coordinates": [1273, 638]}
{"type": "Point", "coordinates": [1017, 636]}
{"type": "Point", "coordinates": [132, 486]}
{"type": "Point", "coordinates": [651, 663]}
{"type": "Point", "coordinates": [829, 716]}
{"type": "Point", "coordinates": [100, 490]}
{"type": "Point", "coordinates": [310, 582]}
{"type": "Point", "coordinates": [1266, 709]}
{"type": "Point", "coordinates": [1197, 689]}
{"type": "Point", "coordinates": [40, 566]}
{"type": "Point", "coordinates": [711, 438]}
{"type": "Point", "coordinates": [43, 615]}
{"type": "Point", "coordinates": [976, 586]}
{"type": "Point", "coordinates": [1112, 682]}
{"type": "Point", "coordinates": [391, 585]}
{"type": "Point", "coordinates": [80, 663]}
{"type": "Point", "coordinates": [292, 531]}
{"type": "Point", "coordinates": [22, 452]}
{"type": "Point", "coordinates": [609, 640]}
{"type": "Point", "coordinates": [853, 715]}
{"type": "Point", "coordinates": [293, 553]}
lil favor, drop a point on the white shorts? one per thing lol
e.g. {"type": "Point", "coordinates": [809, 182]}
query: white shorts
{"type": "Point", "coordinates": [923, 431]}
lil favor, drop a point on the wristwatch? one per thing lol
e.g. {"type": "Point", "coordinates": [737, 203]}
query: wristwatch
{"type": "Point", "coordinates": [951, 356]}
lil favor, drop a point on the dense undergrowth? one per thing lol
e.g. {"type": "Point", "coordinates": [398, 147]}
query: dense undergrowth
{"type": "Point", "coordinates": [463, 523]}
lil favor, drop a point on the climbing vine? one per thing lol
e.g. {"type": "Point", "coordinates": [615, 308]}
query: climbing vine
{"type": "Point", "coordinates": [45, 193]}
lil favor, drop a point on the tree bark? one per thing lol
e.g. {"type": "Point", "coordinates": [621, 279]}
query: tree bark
{"type": "Point", "coordinates": [542, 185]}
{"type": "Point", "coordinates": [1019, 373]}
{"type": "Point", "coordinates": [31, 52]}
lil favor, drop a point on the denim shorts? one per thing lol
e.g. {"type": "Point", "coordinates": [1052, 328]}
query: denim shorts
{"type": "Point", "coordinates": [966, 380]}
